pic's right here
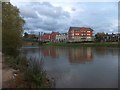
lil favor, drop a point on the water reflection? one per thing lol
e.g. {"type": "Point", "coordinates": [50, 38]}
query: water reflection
{"type": "Point", "coordinates": [51, 52]}
{"type": "Point", "coordinates": [66, 65]}
{"type": "Point", "coordinates": [81, 55]}
{"type": "Point", "coordinates": [74, 55]}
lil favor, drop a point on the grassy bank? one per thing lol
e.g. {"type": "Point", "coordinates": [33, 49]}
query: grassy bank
{"type": "Point", "coordinates": [110, 44]}
{"type": "Point", "coordinates": [28, 73]}
{"type": "Point", "coordinates": [75, 44]}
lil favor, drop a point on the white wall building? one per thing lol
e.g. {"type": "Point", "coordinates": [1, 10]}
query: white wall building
{"type": "Point", "coordinates": [63, 37]}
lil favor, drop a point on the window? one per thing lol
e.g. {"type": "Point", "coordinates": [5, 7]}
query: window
{"type": "Point", "coordinates": [88, 31]}
{"type": "Point", "coordinates": [88, 37]}
{"type": "Point", "coordinates": [73, 34]}
{"type": "Point", "coordinates": [77, 34]}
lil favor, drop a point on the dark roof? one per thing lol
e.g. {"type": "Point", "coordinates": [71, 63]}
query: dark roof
{"type": "Point", "coordinates": [46, 33]}
{"type": "Point", "coordinates": [111, 34]}
{"type": "Point", "coordinates": [54, 33]}
{"type": "Point", "coordinates": [78, 28]}
{"type": "Point", "coordinates": [63, 33]}
{"type": "Point", "coordinates": [90, 29]}
{"type": "Point", "coordinates": [75, 28]}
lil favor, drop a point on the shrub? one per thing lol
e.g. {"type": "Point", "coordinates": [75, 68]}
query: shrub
{"type": "Point", "coordinates": [35, 75]}
{"type": "Point", "coordinates": [32, 74]}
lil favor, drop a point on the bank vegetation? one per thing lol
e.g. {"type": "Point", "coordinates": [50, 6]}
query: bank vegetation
{"type": "Point", "coordinates": [28, 72]}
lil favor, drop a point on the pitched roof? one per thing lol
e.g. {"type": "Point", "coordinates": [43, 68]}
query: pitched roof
{"type": "Point", "coordinates": [46, 33]}
{"type": "Point", "coordinates": [75, 28]}
{"type": "Point", "coordinates": [78, 28]}
{"type": "Point", "coordinates": [55, 33]}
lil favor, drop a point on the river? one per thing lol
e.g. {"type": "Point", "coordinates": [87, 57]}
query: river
{"type": "Point", "coordinates": [79, 67]}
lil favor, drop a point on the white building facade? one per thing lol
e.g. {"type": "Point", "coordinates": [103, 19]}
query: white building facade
{"type": "Point", "coordinates": [62, 37]}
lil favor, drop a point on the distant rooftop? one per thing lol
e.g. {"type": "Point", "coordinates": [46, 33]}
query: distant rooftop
{"type": "Point", "coordinates": [78, 28]}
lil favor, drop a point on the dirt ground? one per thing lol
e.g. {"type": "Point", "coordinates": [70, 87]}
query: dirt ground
{"type": "Point", "coordinates": [6, 74]}
{"type": "Point", "coordinates": [0, 70]}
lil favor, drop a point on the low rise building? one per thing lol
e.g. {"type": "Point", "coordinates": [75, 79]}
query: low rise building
{"type": "Point", "coordinates": [111, 37]}
{"type": "Point", "coordinates": [53, 36]}
{"type": "Point", "coordinates": [45, 37]}
{"type": "Point", "coordinates": [78, 34]}
{"type": "Point", "coordinates": [63, 37]}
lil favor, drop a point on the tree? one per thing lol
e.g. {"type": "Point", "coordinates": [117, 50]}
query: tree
{"type": "Point", "coordinates": [0, 26]}
{"type": "Point", "coordinates": [25, 34]}
{"type": "Point", "coordinates": [99, 36]}
{"type": "Point", "coordinates": [12, 28]}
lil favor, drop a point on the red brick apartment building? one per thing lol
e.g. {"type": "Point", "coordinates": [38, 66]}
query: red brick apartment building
{"type": "Point", "coordinates": [53, 36]}
{"type": "Point", "coordinates": [46, 37]}
{"type": "Point", "coordinates": [77, 34]}
{"type": "Point", "coordinates": [49, 36]}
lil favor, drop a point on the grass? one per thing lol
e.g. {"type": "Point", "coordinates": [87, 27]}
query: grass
{"type": "Point", "coordinates": [36, 75]}
{"type": "Point", "coordinates": [94, 44]}
{"type": "Point", "coordinates": [19, 62]}
{"type": "Point", "coordinates": [31, 73]}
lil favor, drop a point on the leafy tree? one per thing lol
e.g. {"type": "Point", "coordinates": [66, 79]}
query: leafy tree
{"type": "Point", "coordinates": [12, 28]}
{"type": "Point", "coordinates": [25, 34]}
{"type": "Point", "coordinates": [0, 26]}
{"type": "Point", "coordinates": [99, 36]}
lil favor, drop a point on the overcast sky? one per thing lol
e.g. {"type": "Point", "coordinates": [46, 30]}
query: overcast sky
{"type": "Point", "coordinates": [48, 16]}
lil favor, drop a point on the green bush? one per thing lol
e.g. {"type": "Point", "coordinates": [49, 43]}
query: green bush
{"type": "Point", "coordinates": [31, 70]}
{"type": "Point", "coordinates": [12, 29]}
{"type": "Point", "coordinates": [20, 62]}
{"type": "Point", "coordinates": [35, 74]}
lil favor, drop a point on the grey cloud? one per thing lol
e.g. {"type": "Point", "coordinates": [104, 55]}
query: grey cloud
{"type": "Point", "coordinates": [73, 9]}
{"type": "Point", "coordinates": [105, 27]}
{"type": "Point", "coordinates": [28, 13]}
{"type": "Point", "coordinates": [48, 10]}
{"type": "Point", "coordinates": [45, 17]}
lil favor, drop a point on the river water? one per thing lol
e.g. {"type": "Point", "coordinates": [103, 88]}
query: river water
{"type": "Point", "coordinates": [79, 67]}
